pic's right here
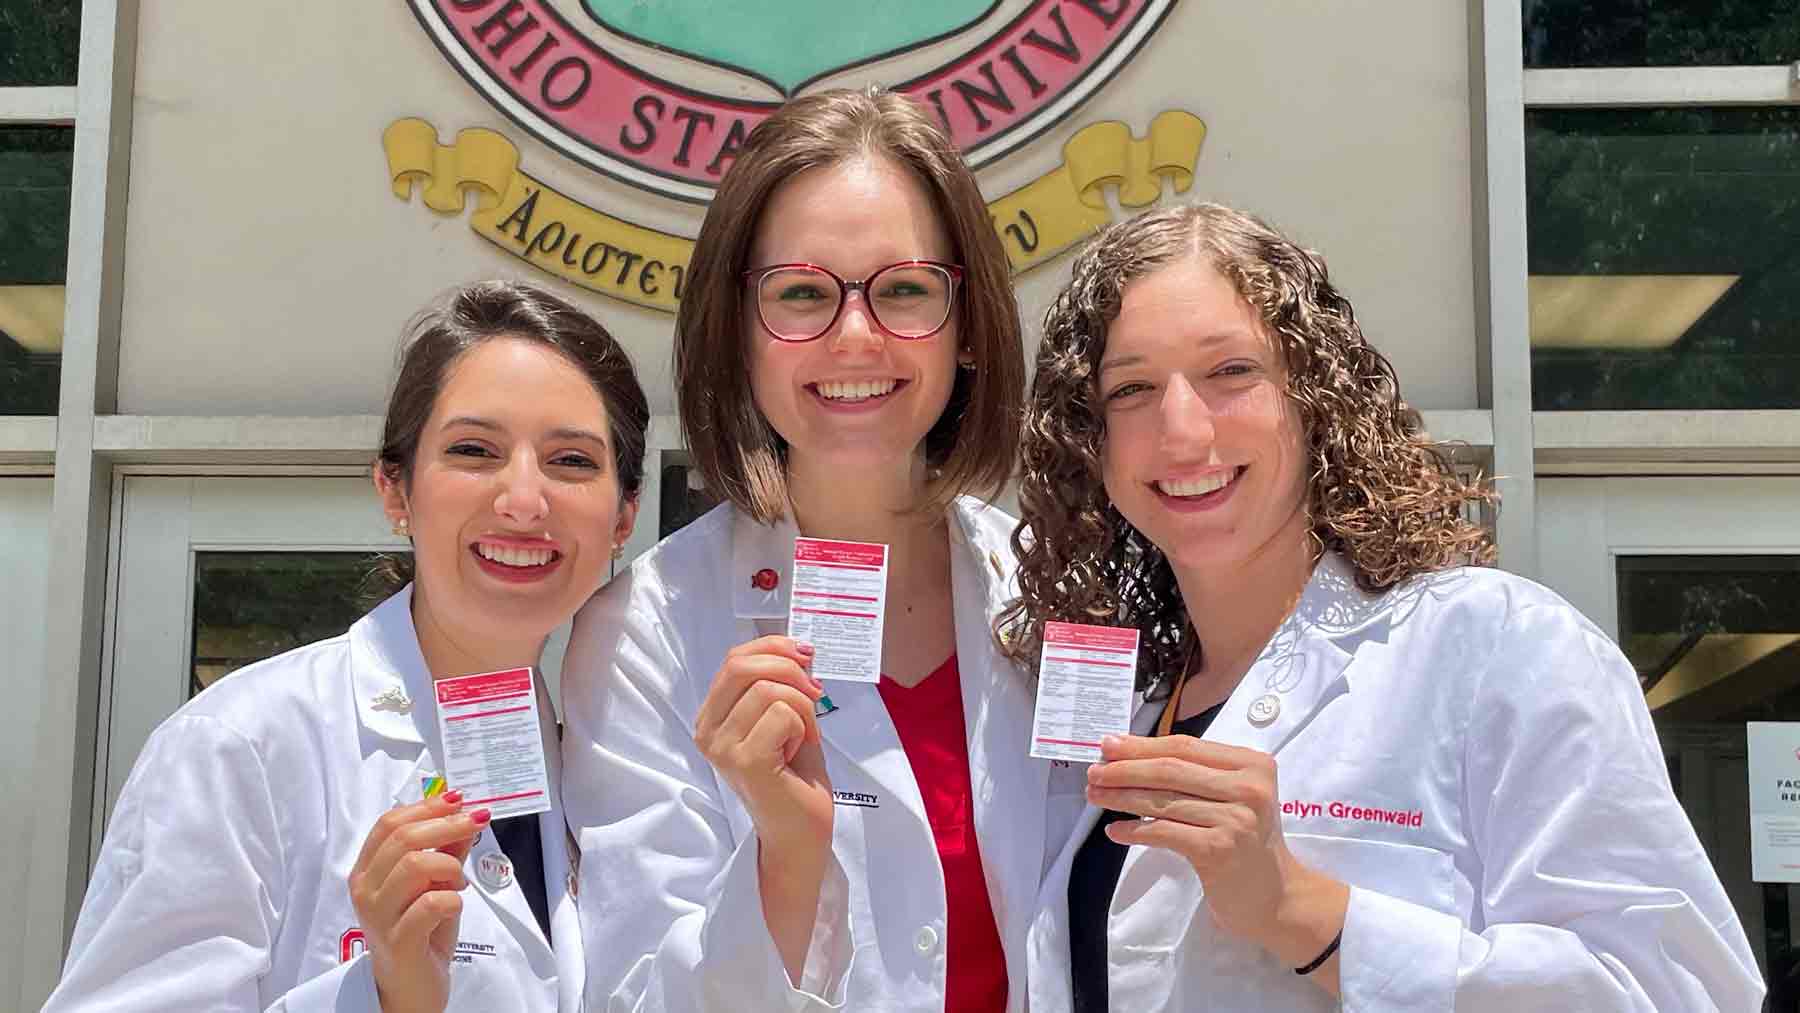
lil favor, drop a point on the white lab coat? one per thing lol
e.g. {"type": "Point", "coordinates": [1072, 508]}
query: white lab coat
{"type": "Point", "coordinates": [671, 912]}
{"type": "Point", "coordinates": [222, 884]}
{"type": "Point", "coordinates": [1475, 759]}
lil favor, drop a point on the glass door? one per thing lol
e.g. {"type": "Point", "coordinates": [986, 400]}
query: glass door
{"type": "Point", "coordinates": [1698, 579]}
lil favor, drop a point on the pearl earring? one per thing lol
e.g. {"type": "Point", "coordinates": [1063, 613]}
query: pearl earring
{"type": "Point", "coordinates": [400, 527]}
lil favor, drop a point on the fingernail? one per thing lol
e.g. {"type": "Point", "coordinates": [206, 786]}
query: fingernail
{"type": "Point", "coordinates": [805, 649]}
{"type": "Point", "coordinates": [1108, 740]}
{"type": "Point", "coordinates": [481, 817]}
{"type": "Point", "coordinates": [816, 684]}
{"type": "Point", "coordinates": [453, 797]}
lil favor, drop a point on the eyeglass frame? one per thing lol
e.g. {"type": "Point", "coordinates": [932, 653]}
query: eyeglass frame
{"type": "Point", "coordinates": [754, 277]}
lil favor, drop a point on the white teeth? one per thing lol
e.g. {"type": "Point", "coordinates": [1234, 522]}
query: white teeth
{"type": "Point", "coordinates": [1197, 486]}
{"type": "Point", "coordinates": [855, 389]}
{"type": "Point", "coordinates": [506, 555]}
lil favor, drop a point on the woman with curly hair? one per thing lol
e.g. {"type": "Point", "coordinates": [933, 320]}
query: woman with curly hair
{"type": "Point", "coordinates": [1472, 811]}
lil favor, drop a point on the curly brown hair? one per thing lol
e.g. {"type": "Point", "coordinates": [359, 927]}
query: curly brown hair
{"type": "Point", "coordinates": [1379, 491]}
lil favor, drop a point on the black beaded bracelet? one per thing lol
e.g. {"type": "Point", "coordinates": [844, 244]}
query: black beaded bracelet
{"type": "Point", "coordinates": [1330, 948]}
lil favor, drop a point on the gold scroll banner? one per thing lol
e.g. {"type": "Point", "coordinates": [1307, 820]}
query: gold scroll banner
{"type": "Point", "coordinates": [590, 248]}
{"type": "Point", "coordinates": [1067, 204]}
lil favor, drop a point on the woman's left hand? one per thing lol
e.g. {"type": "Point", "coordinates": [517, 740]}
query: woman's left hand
{"type": "Point", "coordinates": [1218, 806]}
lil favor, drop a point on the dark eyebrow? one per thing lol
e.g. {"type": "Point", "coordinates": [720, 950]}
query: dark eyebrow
{"type": "Point", "coordinates": [471, 420]}
{"type": "Point", "coordinates": [1136, 359]}
{"type": "Point", "coordinates": [570, 433]}
{"type": "Point", "coordinates": [559, 433]}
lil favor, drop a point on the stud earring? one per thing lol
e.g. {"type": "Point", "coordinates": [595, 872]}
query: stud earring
{"type": "Point", "coordinates": [400, 528]}
{"type": "Point", "coordinates": [618, 550]}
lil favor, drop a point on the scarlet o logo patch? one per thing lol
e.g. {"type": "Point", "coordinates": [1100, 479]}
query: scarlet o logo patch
{"type": "Point", "coordinates": [350, 945]}
{"type": "Point", "coordinates": [596, 78]}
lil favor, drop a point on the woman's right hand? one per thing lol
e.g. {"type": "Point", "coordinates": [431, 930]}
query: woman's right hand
{"type": "Point", "coordinates": [406, 888]}
{"type": "Point", "coordinates": [756, 727]}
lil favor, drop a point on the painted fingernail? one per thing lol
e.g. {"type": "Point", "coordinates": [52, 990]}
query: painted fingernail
{"type": "Point", "coordinates": [816, 684]}
{"type": "Point", "coordinates": [453, 797]}
{"type": "Point", "coordinates": [805, 649]}
{"type": "Point", "coordinates": [481, 817]}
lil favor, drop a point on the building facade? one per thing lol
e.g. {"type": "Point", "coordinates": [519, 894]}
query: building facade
{"type": "Point", "coordinates": [1573, 225]}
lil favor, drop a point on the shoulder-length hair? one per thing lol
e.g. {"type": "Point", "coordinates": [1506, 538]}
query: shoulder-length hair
{"type": "Point", "coordinates": [1378, 490]}
{"type": "Point", "coordinates": [972, 447]}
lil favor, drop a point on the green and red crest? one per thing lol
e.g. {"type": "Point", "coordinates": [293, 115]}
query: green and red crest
{"type": "Point", "coordinates": [597, 79]}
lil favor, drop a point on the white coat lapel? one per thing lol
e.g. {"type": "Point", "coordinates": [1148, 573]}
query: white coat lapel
{"type": "Point", "coordinates": [559, 874]}
{"type": "Point", "coordinates": [393, 693]}
{"type": "Point", "coordinates": [392, 685]}
{"type": "Point", "coordinates": [491, 875]}
{"type": "Point", "coordinates": [1009, 786]}
{"type": "Point", "coordinates": [856, 724]}
{"type": "Point", "coordinates": [762, 566]}
{"type": "Point", "coordinates": [1306, 663]}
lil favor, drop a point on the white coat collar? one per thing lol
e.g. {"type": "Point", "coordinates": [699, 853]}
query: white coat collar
{"type": "Point", "coordinates": [392, 685]}
{"type": "Point", "coordinates": [1305, 664]}
{"type": "Point", "coordinates": [755, 548]}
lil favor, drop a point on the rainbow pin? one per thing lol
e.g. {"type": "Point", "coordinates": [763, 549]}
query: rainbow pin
{"type": "Point", "coordinates": [431, 786]}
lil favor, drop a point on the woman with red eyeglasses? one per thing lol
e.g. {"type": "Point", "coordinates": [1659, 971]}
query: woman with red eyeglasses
{"type": "Point", "coordinates": [848, 363]}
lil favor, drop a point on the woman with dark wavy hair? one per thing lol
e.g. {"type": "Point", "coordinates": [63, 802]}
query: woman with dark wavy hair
{"type": "Point", "coordinates": [1472, 810]}
{"type": "Point", "coordinates": [287, 842]}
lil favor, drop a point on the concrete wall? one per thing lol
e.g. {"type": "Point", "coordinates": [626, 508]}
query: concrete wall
{"type": "Point", "coordinates": [25, 566]}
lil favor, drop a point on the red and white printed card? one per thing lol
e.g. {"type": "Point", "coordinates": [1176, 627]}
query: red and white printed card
{"type": "Point", "coordinates": [493, 744]}
{"type": "Point", "coordinates": [1085, 682]}
{"type": "Point", "coordinates": [837, 601]}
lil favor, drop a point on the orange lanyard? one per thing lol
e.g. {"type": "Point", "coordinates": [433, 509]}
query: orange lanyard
{"type": "Point", "coordinates": [1166, 723]}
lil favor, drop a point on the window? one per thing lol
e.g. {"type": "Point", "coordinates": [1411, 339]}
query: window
{"type": "Point", "coordinates": [1660, 33]}
{"type": "Point", "coordinates": [254, 605]}
{"type": "Point", "coordinates": [35, 167]}
{"type": "Point", "coordinates": [1665, 257]}
{"type": "Point", "coordinates": [40, 41]}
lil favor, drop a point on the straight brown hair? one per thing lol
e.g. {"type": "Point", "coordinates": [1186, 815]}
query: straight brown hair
{"type": "Point", "coordinates": [972, 447]}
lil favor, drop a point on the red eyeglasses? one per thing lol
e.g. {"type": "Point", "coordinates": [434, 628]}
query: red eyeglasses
{"type": "Point", "coordinates": [909, 300]}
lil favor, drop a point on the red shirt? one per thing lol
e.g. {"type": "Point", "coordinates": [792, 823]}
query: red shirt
{"type": "Point", "coordinates": [929, 720]}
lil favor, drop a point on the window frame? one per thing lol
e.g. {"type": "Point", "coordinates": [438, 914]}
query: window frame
{"type": "Point", "coordinates": [1645, 442]}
